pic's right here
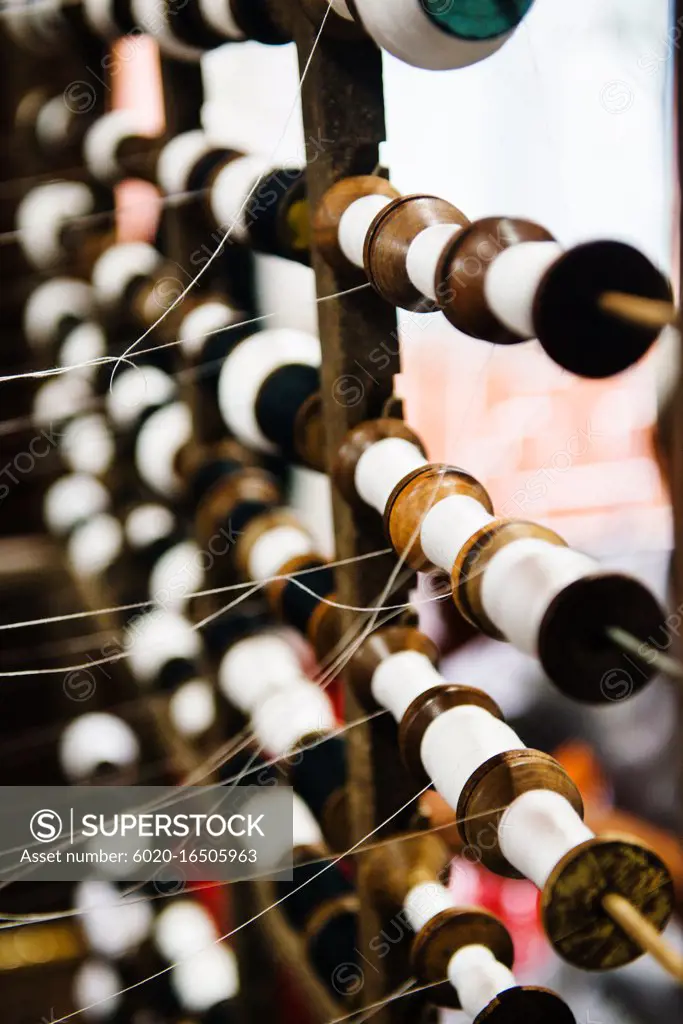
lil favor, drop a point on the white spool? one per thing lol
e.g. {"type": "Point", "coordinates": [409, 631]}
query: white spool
{"type": "Point", "coordinates": [148, 523]}
{"type": "Point", "coordinates": [176, 576]}
{"type": "Point", "coordinates": [101, 17]}
{"type": "Point", "coordinates": [457, 742]}
{"type": "Point", "coordinates": [402, 677]}
{"type": "Point", "coordinates": [382, 466]}
{"type": "Point", "coordinates": [42, 214]}
{"type": "Point", "coordinates": [244, 371]}
{"type": "Point", "coordinates": [87, 445]}
{"type": "Point", "coordinates": [102, 140]}
{"type": "Point", "coordinates": [537, 830]}
{"type": "Point", "coordinates": [182, 928]}
{"type": "Point", "coordinates": [113, 924]}
{"type": "Point", "coordinates": [288, 716]}
{"type": "Point", "coordinates": [192, 708]}
{"type": "Point", "coordinates": [133, 390]}
{"type": "Point", "coordinates": [93, 739]}
{"type": "Point", "coordinates": [154, 18]}
{"type": "Point", "coordinates": [424, 901]}
{"type": "Point", "coordinates": [178, 158]}
{"type": "Point", "coordinates": [157, 637]}
{"type": "Point", "coordinates": [206, 979]}
{"type": "Point", "coordinates": [276, 547]}
{"type": "Point", "coordinates": [404, 29]}
{"type": "Point", "coordinates": [512, 280]}
{"type": "Point", "coordinates": [305, 829]}
{"type": "Point", "coordinates": [478, 977]}
{"type": "Point", "coordinates": [354, 224]}
{"type": "Point", "coordinates": [97, 985]}
{"type": "Point", "coordinates": [230, 192]}
{"type": "Point", "coordinates": [522, 579]}
{"type": "Point", "coordinates": [341, 8]}
{"type": "Point", "coordinates": [255, 667]}
{"type": "Point", "coordinates": [53, 121]}
{"type": "Point", "coordinates": [423, 255]}
{"type": "Point", "coordinates": [218, 15]}
{"type": "Point", "coordinates": [61, 398]}
{"type": "Point", "coordinates": [117, 268]}
{"type": "Point", "coordinates": [71, 499]}
{"type": "Point", "coordinates": [160, 439]}
{"type": "Point", "coordinates": [50, 303]}
{"type": "Point", "coordinates": [448, 525]}
{"type": "Point", "coordinates": [201, 322]}
{"type": "Point", "coordinates": [82, 345]}
{"type": "Point", "coordinates": [95, 545]}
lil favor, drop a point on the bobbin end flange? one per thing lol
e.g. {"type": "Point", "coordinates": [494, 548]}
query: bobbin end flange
{"type": "Point", "coordinates": [446, 933]}
{"type": "Point", "coordinates": [572, 328]}
{"type": "Point", "coordinates": [573, 644]}
{"type": "Point", "coordinates": [575, 921]}
{"type": "Point", "coordinates": [526, 1004]}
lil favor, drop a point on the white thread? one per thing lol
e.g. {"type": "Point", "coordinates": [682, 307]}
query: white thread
{"type": "Point", "coordinates": [72, 498]}
{"type": "Point", "coordinates": [244, 371]}
{"type": "Point", "coordinates": [136, 389]}
{"type": "Point", "coordinates": [354, 224]}
{"type": "Point", "coordinates": [160, 439]}
{"type": "Point", "coordinates": [382, 466]}
{"type": "Point", "coordinates": [511, 282]}
{"type": "Point", "coordinates": [218, 15]}
{"type": "Point", "coordinates": [402, 677]}
{"type": "Point", "coordinates": [231, 190]}
{"type": "Point", "coordinates": [206, 979]}
{"type": "Point", "coordinates": [255, 667]}
{"type": "Point", "coordinates": [176, 575]}
{"type": "Point", "coordinates": [102, 140]}
{"type": "Point", "coordinates": [156, 638]}
{"type": "Point", "coordinates": [340, 7]}
{"type": "Point", "coordinates": [97, 981]}
{"type": "Point", "coordinates": [478, 977]}
{"type": "Point", "coordinates": [153, 17]}
{"type": "Point", "coordinates": [202, 322]}
{"type": "Point", "coordinates": [87, 445]}
{"type": "Point", "coordinates": [288, 716]}
{"type": "Point", "coordinates": [94, 739]}
{"type": "Point", "coordinates": [448, 525]}
{"type": "Point", "coordinates": [537, 830]}
{"type": "Point", "coordinates": [178, 158]}
{"type": "Point", "coordinates": [522, 579]}
{"type": "Point", "coordinates": [113, 925]}
{"type": "Point", "coordinates": [60, 399]}
{"type": "Point", "coordinates": [117, 268]}
{"type": "Point", "coordinates": [50, 303]}
{"type": "Point", "coordinates": [457, 742]}
{"type": "Point", "coordinates": [423, 255]}
{"type": "Point", "coordinates": [276, 547]}
{"type": "Point", "coordinates": [192, 708]}
{"type": "Point", "coordinates": [148, 523]}
{"type": "Point", "coordinates": [183, 928]}
{"type": "Point", "coordinates": [424, 901]}
{"type": "Point", "coordinates": [95, 544]}
{"type": "Point", "coordinates": [406, 31]}
{"type": "Point", "coordinates": [42, 214]}
{"type": "Point", "coordinates": [53, 121]}
{"type": "Point", "coordinates": [84, 344]}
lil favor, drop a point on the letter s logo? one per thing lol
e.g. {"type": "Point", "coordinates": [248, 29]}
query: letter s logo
{"type": "Point", "coordinates": [46, 825]}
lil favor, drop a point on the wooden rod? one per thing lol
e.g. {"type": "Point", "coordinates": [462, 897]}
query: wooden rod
{"type": "Point", "coordinates": [636, 309]}
{"type": "Point", "coordinates": [643, 934]}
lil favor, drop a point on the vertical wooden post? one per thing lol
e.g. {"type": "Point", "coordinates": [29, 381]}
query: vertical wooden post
{"type": "Point", "coordinates": [343, 114]}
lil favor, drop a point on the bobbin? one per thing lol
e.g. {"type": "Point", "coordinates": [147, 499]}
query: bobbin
{"type": "Point", "coordinates": [526, 1004]}
{"type": "Point", "coordinates": [332, 207]}
{"type": "Point", "coordinates": [236, 499]}
{"type": "Point", "coordinates": [389, 238]}
{"type": "Point", "coordinates": [393, 869]}
{"type": "Point", "coordinates": [358, 441]}
{"type": "Point", "coordinates": [379, 646]}
{"type": "Point", "coordinates": [422, 712]}
{"type": "Point", "coordinates": [602, 865]}
{"type": "Point", "coordinates": [468, 570]}
{"type": "Point", "coordinates": [446, 933]}
{"type": "Point", "coordinates": [414, 495]}
{"type": "Point", "coordinates": [494, 786]}
{"type": "Point", "coordinates": [280, 520]}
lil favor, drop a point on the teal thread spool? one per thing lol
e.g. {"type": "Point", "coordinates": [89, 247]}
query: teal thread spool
{"type": "Point", "coordinates": [476, 19]}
